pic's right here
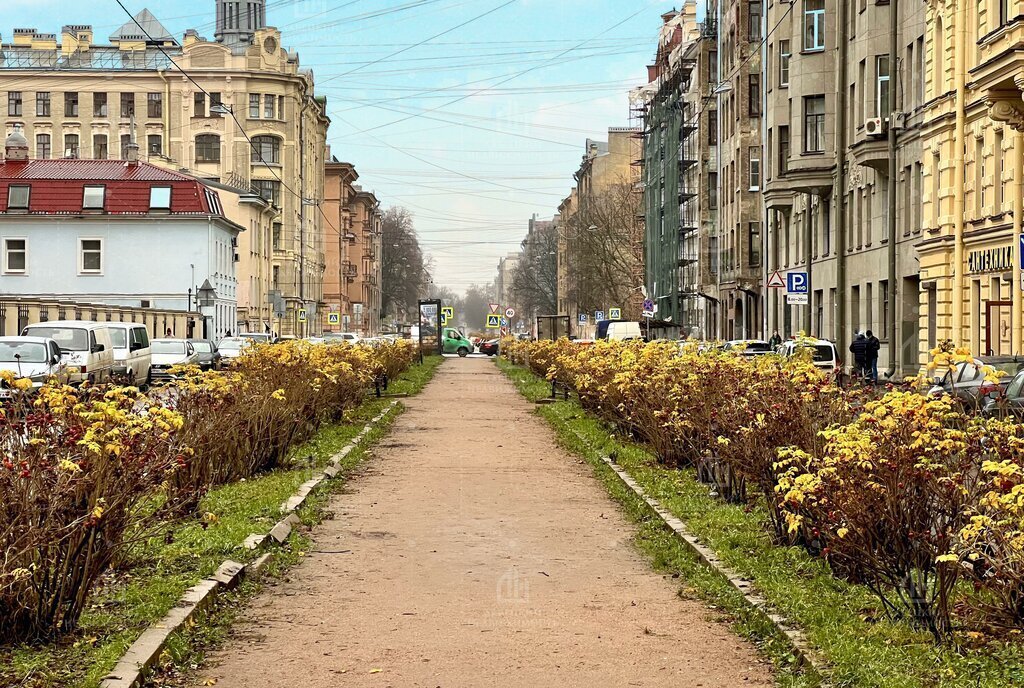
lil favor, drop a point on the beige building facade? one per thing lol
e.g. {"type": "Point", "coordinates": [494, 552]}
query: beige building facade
{"type": "Point", "coordinates": [973, 157]}
{"type": "Point", "coordinates": [243, 113]}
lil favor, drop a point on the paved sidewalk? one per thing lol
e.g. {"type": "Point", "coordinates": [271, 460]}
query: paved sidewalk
{"type": "Point", "coordinates": [472, 551]}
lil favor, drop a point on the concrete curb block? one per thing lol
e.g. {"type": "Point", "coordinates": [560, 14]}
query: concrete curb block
{"type": "Point", "coordinates": [800, 646]}
{"type": "Point", "coordinates": [132, 668]}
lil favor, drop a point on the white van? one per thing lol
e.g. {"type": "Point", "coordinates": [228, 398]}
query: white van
{"type": "Point", "coordinates": [132, 356]}
{"type": "Point", "coordinates": [619, 330]}
{"type": "Point", "coordinates": [824, 354]}
{"type": "Point", "coordinates": [85, 346]}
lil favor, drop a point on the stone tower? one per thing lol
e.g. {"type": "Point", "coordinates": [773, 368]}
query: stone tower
{"type": "Point", "coordinates": [238, 20]}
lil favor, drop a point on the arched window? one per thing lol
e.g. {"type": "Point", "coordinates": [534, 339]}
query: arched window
{"type": "Point", "coordinates": [266, 149]}
{"type": "Point", "coordinates": [938, 57]}
{"type": "Point", "coordinates": [207, 148]}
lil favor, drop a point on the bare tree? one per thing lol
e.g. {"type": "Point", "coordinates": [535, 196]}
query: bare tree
{"type": "Point", "coordinates": [605, 252]}
{"type": "Point", "coordinates": [405, 273]}
{"type": "Point", "coordinates": [475, 305]}
{"type": "Point", "coordinates": [535, 277]}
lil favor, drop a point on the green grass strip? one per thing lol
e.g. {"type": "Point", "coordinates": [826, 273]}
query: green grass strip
{"type": "Point", "coordinates": [843, 621]}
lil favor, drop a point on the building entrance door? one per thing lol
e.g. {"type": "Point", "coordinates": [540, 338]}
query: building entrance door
{"type": "Point", "coordinates": [998, 326]}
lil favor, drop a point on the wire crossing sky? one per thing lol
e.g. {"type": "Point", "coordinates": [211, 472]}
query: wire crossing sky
{"type": "Point", "coordinates": [471, 113]}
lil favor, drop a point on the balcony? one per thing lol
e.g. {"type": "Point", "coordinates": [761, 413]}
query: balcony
{"type": "Point", "coordinates": [349, 271]}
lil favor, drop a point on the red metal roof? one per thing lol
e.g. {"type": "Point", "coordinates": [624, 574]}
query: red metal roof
{"type": "Point", "coordinates": [57, 187]}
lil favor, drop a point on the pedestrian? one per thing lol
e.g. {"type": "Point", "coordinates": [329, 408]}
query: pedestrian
{"type": "Point", "coordinates": [859, 349]}
{"type": "Point", "coordinates": [874, 345]}
{"type": "Point", "coordinates": [168, 333]}
{"type": "Point", "coordinates": [776, 341]}
{"type": "Point", "coordinates": [227, 333]}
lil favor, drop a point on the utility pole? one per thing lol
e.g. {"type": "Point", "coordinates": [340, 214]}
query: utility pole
{"type": "Point", "coordinates": [890, 325]}
{"type": "Point", "coordinates": [842, 334]}
{"type": "Point", "coordinates": [302, 213]}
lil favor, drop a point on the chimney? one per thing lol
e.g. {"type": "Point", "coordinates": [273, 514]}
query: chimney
{"type": "Point", "coordinates": [16, 147]}
{"type": "Point", "coordinates": [131, 153]}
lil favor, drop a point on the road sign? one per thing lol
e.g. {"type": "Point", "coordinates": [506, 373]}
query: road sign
{"type": "Point", "coordinates": [776, 281]}
{"type": "Point", "coordinates": [504, 322]}
{"type": "Point", "coordinates": [510, 312]}
{"type": "Point", "coordinates": [797, 299]}
{"type": "Point", "coordinates": [302, 315]}
{"type": "Point", "coordinates": [796, 282]}
{"type": "Point", "coordinates": [495, 307]}
{"type": "Point", "coordinates": [648, 314]}
{"type": "Point", "coordinates": [493, 321]}
{"type": "Point", "coordinates": [583, 318]}
{"type": "Point", "coordinates": [334, 318]}
{"type": "Point", "coordinates": [648, 306]}
{"type": "Point", "coordinates": [444, 320]}
{"type": "Point", "coordinates": [598, 315]}
{"type": "Point", "coordinates": [447, 312]}
{"type": "Point", "coordinates": [615, 314]}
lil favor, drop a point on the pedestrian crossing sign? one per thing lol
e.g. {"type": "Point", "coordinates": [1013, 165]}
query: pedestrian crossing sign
{"type": "Point", "coordinates": [615, 314]}
{"type": "Point", "coordinates": [493, 321]}
{"type": "Point", "coordinates": [302, 315]}
{"type": "Point", "coordinates": [447, 312]}
{"type": "Point", "coordinates": [334, 318]}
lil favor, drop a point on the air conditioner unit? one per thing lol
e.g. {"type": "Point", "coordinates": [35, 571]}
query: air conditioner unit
{"type": "Point", "coordinates": [874, 126]}
{"type": "Point", "coordinates": [899, 120]}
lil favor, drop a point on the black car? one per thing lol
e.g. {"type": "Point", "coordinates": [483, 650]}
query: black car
{"type": "Point", "coordinates": [209, 357]}
{"type": "Point", "coordinates": [489, 347]}
{"type": "Point", "coordinates": [967, 383]}
{"type": "Point", "coordinates": [1008, 401]}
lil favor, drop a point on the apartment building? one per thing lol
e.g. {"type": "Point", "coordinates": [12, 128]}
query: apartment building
{"type": "Point", "coordinates": [844, 118]}
{"type": "Point", "coordinates": [972, 152]}
{"type": "Point", "coordinates": [362, 269]}
{"type": "Point", "coordinates": [253, 121]}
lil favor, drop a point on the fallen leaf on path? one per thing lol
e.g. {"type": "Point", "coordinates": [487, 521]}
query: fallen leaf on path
{"type": "Point", "coordinates": [376, 671]}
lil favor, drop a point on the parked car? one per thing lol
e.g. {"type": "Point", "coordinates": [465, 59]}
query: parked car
{"type": "Point", "coordinates": [490, 347]}
{"type": "Point", "coordinates": [967, 381]}
{"type": "Point", "coordinates": [257, 337]}
{"type": "Point", "coordinates": [336, 337]}
{"type": "Point", "coordinates": [824, 354]}
{"type": "Point", "coordinates": [37, 358]}
{"type": "Point", "coordinates": [748, 347]}
{"type": "Point", "coordinates": [168, 353]}
{"type": "Point", "coordinates": [209, 356]}
{"type": "Point", "coordinates": [455, 343]}
{"type": "Point", "coordinates": [132, 356]}
{"type": "Point", "coordinates": [618, 330]}
{"type": "Point", "coordinates": [86, 347]}
{"type": "Point", "coordinates": [231, 348]}
{"type": "Point", "coordinates": [1008, 401]}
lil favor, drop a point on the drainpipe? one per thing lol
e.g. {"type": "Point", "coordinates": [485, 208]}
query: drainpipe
{"type": "Point", "coordinates": [959, 48]}
{"type": "Point", "coordinates": [166, 114]}
{"type": "Point", "coordinates": [841, 332]}
{"type": "Point", "coordinates": [891, 220]}
{"type": "Point", "coordinates": [1018, 225]}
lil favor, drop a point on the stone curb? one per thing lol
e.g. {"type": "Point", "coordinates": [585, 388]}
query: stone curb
{"type": "Point", "coordinates": [143, 654]}
{"type": "Point", "coordinates": [800, 646]}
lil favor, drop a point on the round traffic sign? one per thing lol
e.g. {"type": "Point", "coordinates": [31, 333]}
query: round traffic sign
{"type": "Point", "coordinates": [510, 312]}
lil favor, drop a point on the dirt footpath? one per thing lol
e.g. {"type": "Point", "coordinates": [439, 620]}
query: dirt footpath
{"type": "Point", "coordinates": [475, 552]}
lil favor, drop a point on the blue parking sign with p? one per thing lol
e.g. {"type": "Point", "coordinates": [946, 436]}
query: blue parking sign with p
{"type": "Point", "coordinates": [583, 318]}
{"type": "Point", "coordinates": [796, 282]}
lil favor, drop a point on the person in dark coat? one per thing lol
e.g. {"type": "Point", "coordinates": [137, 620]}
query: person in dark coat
{"type": "Point", "coordinates": [859, 349]}
{"type": "Point", "coordinates": [874, 345]}
{"type": "Point", "coordinates": [776, 341]}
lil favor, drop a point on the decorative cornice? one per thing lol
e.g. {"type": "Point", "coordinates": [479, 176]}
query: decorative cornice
{"type": "Point", "coordinates": [1008, 111]}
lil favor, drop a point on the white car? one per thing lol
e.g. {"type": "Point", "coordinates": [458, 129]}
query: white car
{"type": "Point", "coordinates": [36, 358]}
{"type": "Point", "coordinates": [132, 356]}
{"type": "Point", "coordinates": [335, 337]}
{"type": "Point", "coordinates": [257, 337]}
{"type": "Point", "coordinates": [232, 347]}
{"type": "Point", "coordinates": [825, 354]}
{"type": "Point", "coordinates": [85, 346]}
{"type": "Point", "coordinates": [168, 353]}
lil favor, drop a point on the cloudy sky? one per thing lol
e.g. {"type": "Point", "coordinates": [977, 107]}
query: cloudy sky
{"type": "Point", "coordinates": [471, 113]}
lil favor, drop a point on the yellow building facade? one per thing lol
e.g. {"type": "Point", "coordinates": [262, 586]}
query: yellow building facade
{"type": "Point", "coordinates": [236, 109]}
{"type": "Point", "coordinates": [970, 251]}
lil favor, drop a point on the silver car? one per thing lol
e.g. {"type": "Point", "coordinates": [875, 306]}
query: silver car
{"type": "Point", "coordinates": [168, 353]}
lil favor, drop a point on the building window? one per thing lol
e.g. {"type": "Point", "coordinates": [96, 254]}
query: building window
{"type": "Point", "coordinates": [199, 105]}
{"type": "Point", "coordinates": [155, 105]}
{"type": "Point", "coordinates": [882, 86]}
{"type": "Point", "coordinates": [43, 104]}
{"type": "Point", "coordinates": [160, 198]}
{"type": "Point", "coordinates": [814, 24]}
{"type": "Point", "coordinates": [712, 190]}
{"type": "Point", "coordinates": [93, 197]}
{"type": "Point", "coordinates": [269, 103]}
{"type": "Point", "coordinates": [266, 149]}
{"type": "Point", "coordinates": [1004, 12]}
{"type": "Point", "coordinates": [43, 146]}
{"type": "Point", "coordinates": [254, 106]}
{"type": "Point", "coordinates": [14, 103]}
{"type": "Point", "coordinates": [215, 105]}
{"type": "Point", "coordinates": [713, 128]}
{"type": "Point", "coordinates": [18, 196]}
{"type": "Point", "coordinates": [269, 189]}
{"type": "Point", "coordinates": [754, 154]}
{"type": "Point", "coordinates": [90, 255]}
{"type": "Point", "coordinates": [883, 286]}
{"type": "Point", "coordinates": [753, 244]}
{"type": "Point", "coordinates": [127, 105]}
{"type": "Point", "coordinates": [814, 124]}
{"type": "Point", "coordinates": [754, 86]}
{"type": "Point", "coordinates": [15, 255]}
{"type": "Point", "coordinates": [713, 67]}
{"type": "Point", "coordinates": [754, 20]}
{"type": "Point", "coordinates": [70, 145]}
{"type": "Point", "coordinates": [277, 236]}
{"type": "Point", "coordinates": [99, 104]}
{"type": "Point", "coordinates": [207, 148]}
{"type": "Point", "coordinates": [100, 148]}
{"type": "Point", "coordinates": [155, 144]}
{"type": "Point", "coordinates": [784, 55]}
{"type": "Point", "coordinates": [280, 107]}
{"type": "Point", "coordinates": [277, 276]}
{"type": "Point", "coordinates": [126, 140]}
{"type": "Point", "coordinates": [71, 104]}
{"type": "Point", "coordinates": [783, 150]}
